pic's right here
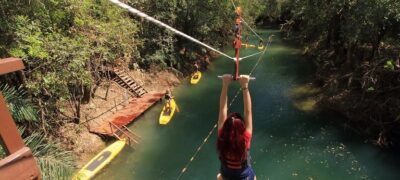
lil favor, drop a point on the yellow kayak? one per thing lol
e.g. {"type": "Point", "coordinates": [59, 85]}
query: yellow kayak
{"type": "Point", "coordinates": [167, 113]}
{"type": "Point", "coordinates": [260, 47]}
{"type": "Point", "coordinates": [100, 161]}
{"type": "Point", "coordinates": [195, 78]}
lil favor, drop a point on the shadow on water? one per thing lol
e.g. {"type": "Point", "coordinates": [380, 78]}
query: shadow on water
{"type": "Point", "coordinates": [288, 143]}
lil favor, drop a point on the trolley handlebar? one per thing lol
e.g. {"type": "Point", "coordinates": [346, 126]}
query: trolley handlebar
{"type": "Point", "coordinates": [251, 78]}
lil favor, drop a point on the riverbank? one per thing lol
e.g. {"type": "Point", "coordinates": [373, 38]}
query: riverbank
{"type": "Point", "coordinates": [84, 144]}
{"type": "Point", "coordinates": [365, 95]}
{"type": "Point", "coordinates": [357, 61]}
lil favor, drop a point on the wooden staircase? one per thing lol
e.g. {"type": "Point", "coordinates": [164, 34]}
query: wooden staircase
{"type": "Point", "coordinates": [124, 133]}
{"type": "Point", "coordinates": [126, 81]}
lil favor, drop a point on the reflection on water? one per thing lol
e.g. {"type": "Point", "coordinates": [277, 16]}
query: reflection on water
{"type": "Point", "coordinates": [304, 97]}
{"type": "Point", "coordinates": [290, 141]}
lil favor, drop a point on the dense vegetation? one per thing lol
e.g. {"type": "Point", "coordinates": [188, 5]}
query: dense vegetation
{"type": "Point", "coordinates": [65, 45]}
{"type": "Point", "coordinates": [355, 46]}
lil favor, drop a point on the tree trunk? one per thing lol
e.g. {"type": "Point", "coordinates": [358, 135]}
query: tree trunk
{"type": "Point", "coordinates": [349, 57]}
{"type": "Point", "coordinates": [21, 76]}
{"type": "Point", "coordinates": [77, 112]}
{"type": "Point", "coordinates": [42, 114]}
{"type": "Point", "coordinates": [375, 45]}
{"type": "Point", "coordinates": [86, 96]}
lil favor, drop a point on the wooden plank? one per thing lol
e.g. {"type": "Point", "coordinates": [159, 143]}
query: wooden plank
{"type": "Point", "coordinates": [128, 114]}
{"type": "Point", "coordinates": [8, 131]}
{"type": "Point", "coordinates": [19, 165]}
{"type": "Point", "coordinates": [8, 65]}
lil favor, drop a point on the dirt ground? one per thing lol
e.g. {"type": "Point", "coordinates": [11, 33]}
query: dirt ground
{"type": "Point", "coordinates": [77, 137]}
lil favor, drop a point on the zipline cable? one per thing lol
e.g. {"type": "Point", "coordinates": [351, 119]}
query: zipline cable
{"type": "Point", "coordinates": [249, 56]}
{"type": "Point", "coordinates": [215, 125]}
{"type": "Point", "coordinates": [252, 29]}
{"type": "Point", "coordinates": [143, 15]}
{"type": "Point", "coordinates": [234, 6]}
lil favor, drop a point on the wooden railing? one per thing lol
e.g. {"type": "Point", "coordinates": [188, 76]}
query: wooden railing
{"type": "Point", "coordinates": [124, 133]}
{"type": "Point", "coordinates": [19, 163]}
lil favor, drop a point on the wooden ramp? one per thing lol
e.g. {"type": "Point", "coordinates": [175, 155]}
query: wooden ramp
{"type": "Point", "coordinates": [126, 81]}
{"type": "Point", "coordinates": [128, 114]}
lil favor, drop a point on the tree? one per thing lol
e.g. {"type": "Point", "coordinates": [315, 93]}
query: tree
{"type": "Point", "coordinates": [351, 42]}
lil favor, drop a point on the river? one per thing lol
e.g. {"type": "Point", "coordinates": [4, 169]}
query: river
{"type": "Point", "coordinates": [288, 142]}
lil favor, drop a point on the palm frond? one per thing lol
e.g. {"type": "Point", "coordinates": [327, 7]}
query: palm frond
{"type": "Point", "coordinates": [21, 109]}
{"type": "Point", "coordinates": [54, 162]}
{"type": "Point", "coordinates": [57, 165]}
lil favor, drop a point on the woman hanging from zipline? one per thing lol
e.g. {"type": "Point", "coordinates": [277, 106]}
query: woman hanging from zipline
{"type": "Point", "coordinates": [234, 135]}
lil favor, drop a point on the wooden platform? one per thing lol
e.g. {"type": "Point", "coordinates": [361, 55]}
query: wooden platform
{"type": "Point", "coordinates": [128, 114]}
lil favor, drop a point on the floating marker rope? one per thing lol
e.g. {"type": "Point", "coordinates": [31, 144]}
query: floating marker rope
{"type": "Point", "coordinates": [215, 125]}
{"type": "Point", "coordinates": [147, 17]}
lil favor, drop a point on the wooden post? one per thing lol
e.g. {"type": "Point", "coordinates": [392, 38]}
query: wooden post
{"type": "Point", "coordinates": [111, 128]}
{"type": "Point", "coordinates": [115, 106]}
{"type": "Point", "coordinates": [108, 88]}
{"type": "Point", "coordinates": [10, 65]}
{"type": "Point", "coordinates": [8, 131]}
{"type": "Point", "coordinates": [19, 163]}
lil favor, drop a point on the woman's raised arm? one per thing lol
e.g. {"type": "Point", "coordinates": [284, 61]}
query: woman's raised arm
{"type": "Point", "coordinates": [248, 114]}
{"type": "Point", "coordinates": [223, 102]}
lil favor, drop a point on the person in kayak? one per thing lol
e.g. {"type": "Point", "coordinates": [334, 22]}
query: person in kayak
{"type": "Point", "coordinates": [234, 135]}
{"type": "Point", "coordinates": [167, 97]}
{"type": "Point", "coordinates": [261, 44]}
{"type": "Point", "coordinates": [196, 66]}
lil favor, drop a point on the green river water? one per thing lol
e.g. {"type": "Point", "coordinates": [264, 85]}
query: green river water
{"type": "Point", "coordinates": [288, 143]}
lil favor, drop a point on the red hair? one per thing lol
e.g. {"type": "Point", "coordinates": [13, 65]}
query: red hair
{"type": "Point", "coordinates": [231, 142]}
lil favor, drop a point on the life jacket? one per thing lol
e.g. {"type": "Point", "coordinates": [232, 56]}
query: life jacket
{"type": "Point", "coordinates": [167, 96]}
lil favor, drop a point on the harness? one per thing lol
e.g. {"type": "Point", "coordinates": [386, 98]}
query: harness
{"type": "Point", "coordinates": [234, 164]}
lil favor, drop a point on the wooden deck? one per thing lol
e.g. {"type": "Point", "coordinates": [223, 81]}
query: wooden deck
{"type": "Point", "coordinates": [128, 114]}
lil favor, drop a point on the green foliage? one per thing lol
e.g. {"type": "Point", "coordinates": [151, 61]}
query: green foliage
{"type": "Point", "coordinates": [371, 89]}
{"type": "Point", "coordinates": [389, 65]}
{"type": "Point", "coordinates": [30, 41]}
{"type": "Point", "coordinates": [2, 153]}
{"type": "Point", "coordinates": [54, 162]}
{"type": "Point", "coordinates": [344, 22]}
{"type": "Point", "coordinates": [20, 107]}
{"type": "Point", "coordinates": [65, 43]}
